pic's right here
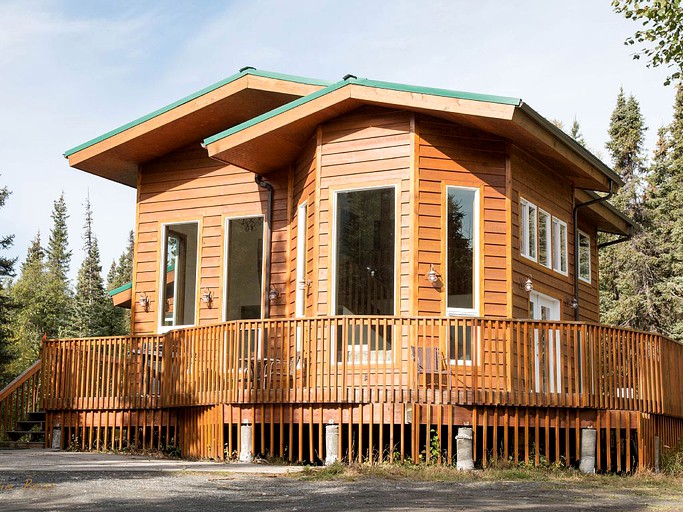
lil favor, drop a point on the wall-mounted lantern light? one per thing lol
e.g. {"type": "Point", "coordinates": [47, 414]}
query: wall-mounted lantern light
{"type": "Point", "coordinates": [143, 301]}
{"type": "Point", "coordinates": [207, 297]}
{"type": "Point", "coordinates": [432, 275]}
{"type": "Point", "coordinates": [273, 293]}
{"type": "Point", "coordinates": [528, 285]}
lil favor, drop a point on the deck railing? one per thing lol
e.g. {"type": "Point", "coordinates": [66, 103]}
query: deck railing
{"type": "Point", "coordinates": [371, 359]}
{"type": "Point", "coordinates": [20, 397]}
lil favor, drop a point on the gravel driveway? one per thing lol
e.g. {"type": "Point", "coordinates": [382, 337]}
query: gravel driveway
{"type": "Point", "coordinates": [47, 480]}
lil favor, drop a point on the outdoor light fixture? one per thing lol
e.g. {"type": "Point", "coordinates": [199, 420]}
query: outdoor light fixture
{"type": "Point", "coordinates": [144, 301]}
{"type": "Point", "coordinates": [528, 285]}
{"type": "Point", "coordinates": [575, 303]}
{"type": "Point", "coordinates": [273, 293]}
{"type": "Point", "coordinates": [207, 297]}
{"type": "Point", "coordinates": [432, 276]}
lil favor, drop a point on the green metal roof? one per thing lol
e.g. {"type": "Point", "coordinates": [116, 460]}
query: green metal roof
{"type": "Point", "coordinates": [368, 83]}
{"type": "Point", "coordinates": [151, 115]}
{"type": "Point", "coordinates": [120, 289]}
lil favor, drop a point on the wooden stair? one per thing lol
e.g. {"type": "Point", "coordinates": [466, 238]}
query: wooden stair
{"type": "Point", "coordinates": [28, 433]}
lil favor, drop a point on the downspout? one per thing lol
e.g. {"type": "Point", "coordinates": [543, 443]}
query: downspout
{"type": "Point", "coordinates": [576, 243]}
{"type": "Point", "coordinates": [269, 239]}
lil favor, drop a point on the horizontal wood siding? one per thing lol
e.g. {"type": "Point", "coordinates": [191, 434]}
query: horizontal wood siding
{"type": "Point", "coordinates": [546, 189]}
{"type": "Point", "coordinates": [303, 189]}
{"type": "Point", "coordinates": [450, 154]}
{"type": "Point", "coordinates": [368, 147]}
{"type": "Point", "coordinates": [186, 185]}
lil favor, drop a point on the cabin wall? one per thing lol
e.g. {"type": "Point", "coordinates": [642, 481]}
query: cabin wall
{"type": "Point", "coordinates": [186, 185]}
{"type": "Point", "coordinates": [366, 148]}
{"type": "Point", "coordinates": [449, 154]}
{"type": "Point", "coordinates": [549, 191]}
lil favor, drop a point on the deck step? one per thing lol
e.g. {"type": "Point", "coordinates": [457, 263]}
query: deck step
{"type": "Point", "coordinates": [36, 416]}
{"type": "Point", "coordinates": [27, 425]}
{"type": "Point", "coordinates": [33, 435]}
{"type": "Point", "coordinates": [21, 445]}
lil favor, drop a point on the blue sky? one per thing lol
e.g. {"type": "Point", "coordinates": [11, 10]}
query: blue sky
{"type": "Point", "coordinates": [71, 70]}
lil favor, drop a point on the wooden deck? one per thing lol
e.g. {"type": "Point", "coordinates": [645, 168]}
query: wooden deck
{"type": "Point", "coordinates": [397, 379]}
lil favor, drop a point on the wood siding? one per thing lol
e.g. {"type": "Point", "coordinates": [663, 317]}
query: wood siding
{"type": "Point", "coordinates": [186, 185]}
{"type": "Point", "coordinates": [368, 147]}
{"type": "Point", "coordinates": [450, 154]}
{"type": "Point", "coordinates": [554, 194]}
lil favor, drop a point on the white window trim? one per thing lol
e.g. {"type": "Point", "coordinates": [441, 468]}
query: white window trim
{"type": "Point", "coordinates": [226, 224]}
{"type": "Point", "coordinates": [525, 243]}
{"type": "Point", "coordinates": [548, 237]}
{"type": "Point", "coordinates": [162, 277]}
{"type": "Point", "coordinates": [578, 270]}
{"type": "Point", "coordinates": [557, 245]}
{"type": "Point", "coordinates": [332, 271]}
{"type": "Point", "coordinates": [301, 243]}
{"type": "Point", "coordinates": [474, 311]}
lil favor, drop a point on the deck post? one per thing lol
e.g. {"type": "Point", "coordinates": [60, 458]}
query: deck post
{"type": "Point", "coordinates": [465, 460]}
{"type": "Point", "coordinates": [588, 441]}
{"type": "Point", "coordinates": [246, 431]}
{"type": "Point", "coordinates": [657, 454]}
{"type": "Point", "coordinates": [331, 443]}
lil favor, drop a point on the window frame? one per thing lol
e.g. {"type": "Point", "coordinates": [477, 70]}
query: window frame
{"type": "Point", "coordinates": [557, 245]}
{"type": "Point", "coordinates": [374, 355]}
{"type": "Point", "coordinates": [525, 245]}
{"type": "Point", "coordinates": [162, 275]}
{"type": "Point", "coordinates": [476, 231]}
{"type": "Point", "coordinates": [548, 238]}
{"type": "Point", "coordinates": [225, 263]}
{"type": "Point", "coordinates": [578, 248]}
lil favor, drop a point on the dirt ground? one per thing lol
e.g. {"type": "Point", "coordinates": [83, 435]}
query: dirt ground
{"type": "Point", "coordinates": [65, 481]}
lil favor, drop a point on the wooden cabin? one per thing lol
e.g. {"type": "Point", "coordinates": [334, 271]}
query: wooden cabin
{"type": "Point", "coordinates": [399, 261]}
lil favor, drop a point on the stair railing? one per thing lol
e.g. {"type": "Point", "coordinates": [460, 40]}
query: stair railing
{"type": "Point", "coordinates": [20, 397]}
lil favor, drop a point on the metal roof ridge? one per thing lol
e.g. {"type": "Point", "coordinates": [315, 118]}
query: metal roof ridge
{"type": "Point", "coordinates": [243, 72]}
{"type": "Point", "coordinates": [366, 82]}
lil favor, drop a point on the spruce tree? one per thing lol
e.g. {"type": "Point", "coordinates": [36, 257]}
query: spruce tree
{"type": "Point", "coordinates": [6, 273]}
{"type": "Point", "coordinates": [576, 134]}
{"type": "Point", "coordinates": [666, 211]}
{"type": "Point", "coordinates": [91, 312]}
{"type": "Point", "coordinates": [626, 288]}
{"type": "Point", "coordinates": [57, 322]}
{"type": "Point", "coordinates": [33, 304]}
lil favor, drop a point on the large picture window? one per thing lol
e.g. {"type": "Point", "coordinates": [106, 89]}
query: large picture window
{"type": "Point", "coordinates": [244, 268]}
{"type": "Point", "coordinates": [365, 246]}
{"type": "Point", "coordinates": [462, 249]}
{"type": "Point", "coordinates": [179, 274]}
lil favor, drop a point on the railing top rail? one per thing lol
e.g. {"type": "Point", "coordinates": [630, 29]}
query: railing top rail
{"type": "Point", "coordinates": [26, 374]}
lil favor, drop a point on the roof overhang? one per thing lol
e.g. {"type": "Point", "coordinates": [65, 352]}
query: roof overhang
{"type": "Point", "coordinates": [117, 154]}
{"type": "Point", "coordinates": [122, 296]}
{"type": "Point", "coordinates": [607, 217]}
{"type": "Point", "coordinates": [274, 139]}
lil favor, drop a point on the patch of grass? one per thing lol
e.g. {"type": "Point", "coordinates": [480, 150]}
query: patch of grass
{"type": "Point", "coordinates": [671, 462]}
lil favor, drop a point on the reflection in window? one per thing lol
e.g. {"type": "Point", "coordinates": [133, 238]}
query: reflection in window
{"type": "Point", "coordinates": [559, 246]}
{"type": "Point", "coordinates": [461, 244]}
{"type": "Point", "coordinates": [528, 245]}
{"type": "Point", "coordinates": [584, 257]}
{"type": "Point", "coordinates": [544, 238]}
{"type": "Point", "coordinates": [179, 274]}
{"type": "Point", "coordinates": [244, 268]}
